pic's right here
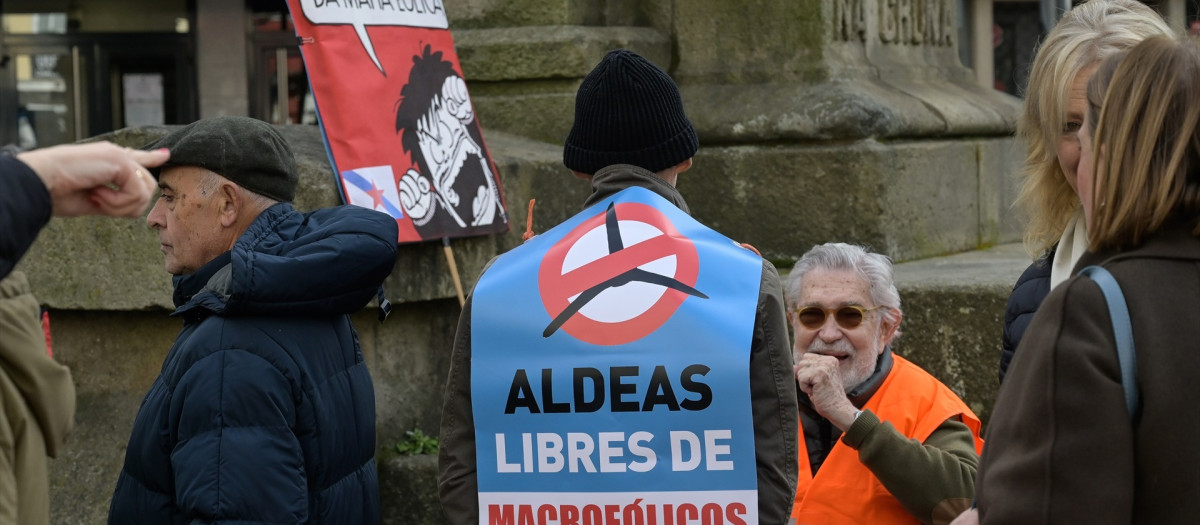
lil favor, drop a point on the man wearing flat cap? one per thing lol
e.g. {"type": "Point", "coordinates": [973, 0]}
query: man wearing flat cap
{"type": "Point", "coordinates": [629, 364]}
{"type": "Point", "coordinates": [264, 411]}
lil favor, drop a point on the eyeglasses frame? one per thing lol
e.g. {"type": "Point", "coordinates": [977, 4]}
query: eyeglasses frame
{"type": "Point", "coordinates": [828, 312]}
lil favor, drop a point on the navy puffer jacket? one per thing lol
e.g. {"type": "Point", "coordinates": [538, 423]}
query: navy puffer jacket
{"type": "Point", "coordinates": [1031, 289]}
{"type": "Point", "coordinates": [264, 411]}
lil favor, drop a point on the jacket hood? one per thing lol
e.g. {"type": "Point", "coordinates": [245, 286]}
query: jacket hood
{"type": "Point", "coordinates": [328, 261]}
{"type": "Point", "coordinates": [612, 179]}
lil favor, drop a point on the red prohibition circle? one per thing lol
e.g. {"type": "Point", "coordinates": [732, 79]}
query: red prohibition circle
{"type": "Point", "coordinates": [557, 287]}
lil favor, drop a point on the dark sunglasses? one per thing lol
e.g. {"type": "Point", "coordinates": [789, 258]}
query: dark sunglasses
{"type": "Point", "coordinates": [848, 317]}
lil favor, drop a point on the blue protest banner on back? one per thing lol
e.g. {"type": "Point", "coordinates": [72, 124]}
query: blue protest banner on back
{"type": "Point", "coordinates": [610, 371]}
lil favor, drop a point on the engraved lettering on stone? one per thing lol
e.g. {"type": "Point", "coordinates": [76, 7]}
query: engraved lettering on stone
{"type": "Point", "coordinates": [904, 20]}
{"type": "Point", "coordinates": [849, 21]}
{"type": "Point", "coordinates": [887, 21]}
{"type": "Point", "coordinates": [900, 22]}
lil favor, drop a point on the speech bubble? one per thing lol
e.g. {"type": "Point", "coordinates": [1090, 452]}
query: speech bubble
{"type": "Point", "coordinates": [361, 13]}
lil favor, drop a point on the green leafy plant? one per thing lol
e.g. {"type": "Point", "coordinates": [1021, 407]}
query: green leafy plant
{"type": "Point", "coordinates": [416, 442]}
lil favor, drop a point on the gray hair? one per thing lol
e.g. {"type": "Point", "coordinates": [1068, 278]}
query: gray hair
{"type": "Point", "coordinates": [875, 269]}
{"type": "Point", "coordinates": [211, 180]}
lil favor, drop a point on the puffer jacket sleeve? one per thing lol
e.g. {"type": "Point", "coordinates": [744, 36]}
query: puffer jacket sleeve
{"type": "Point", "coordinates": [236, 458]}
{"type": "Point", "coordinates": [25, 208]}
{"type": "Point", "coordinates": [774, 405]}
{"type": "Point", "coordinates": [1029, 292]}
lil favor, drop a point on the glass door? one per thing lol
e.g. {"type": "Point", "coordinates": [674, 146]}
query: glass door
{"type": "Point", "coordinates": [70, 87]}
{"type": "Point", "coordinates": [50, 104]}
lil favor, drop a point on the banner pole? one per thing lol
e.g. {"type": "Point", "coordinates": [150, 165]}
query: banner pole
{"type": "Point", "coordinates": [458, 288]}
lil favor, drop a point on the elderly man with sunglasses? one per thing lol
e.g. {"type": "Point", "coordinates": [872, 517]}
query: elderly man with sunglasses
{"type": "Point", "coordinates": [882, 441]}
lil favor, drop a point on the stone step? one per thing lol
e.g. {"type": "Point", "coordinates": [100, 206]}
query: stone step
{"type": "Point", "coordinates": [954, 316]}
{"type": "Point", "coordinates": [523, 79]}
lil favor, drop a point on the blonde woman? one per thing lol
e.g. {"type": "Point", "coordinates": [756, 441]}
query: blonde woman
{"type": "Point", "coordinates": [1054, 106]}
{"type": "Point", "coordinates": [1062, 447]}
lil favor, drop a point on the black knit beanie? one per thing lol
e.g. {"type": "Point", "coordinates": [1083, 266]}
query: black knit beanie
{"type": "Point", "coordinates": [628, 111]}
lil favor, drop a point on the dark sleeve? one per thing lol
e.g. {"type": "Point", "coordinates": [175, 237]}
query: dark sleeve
{"type": "Point", "coordinates": [236, 459]}
{"type": "Point", "coordinates": [458, 485]}
{"type": "Point", "coordinates": [934, 480]}
{"type": "Point", "coordinates": [773, 398]}
{"type": "Point", "coordinates": [1060, 446]}
{"type": "Point", "coordinates": [1029, 292]}
{"type": "Point", "coordinates": [25, 208]}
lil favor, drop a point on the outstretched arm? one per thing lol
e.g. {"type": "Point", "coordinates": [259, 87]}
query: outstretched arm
{"type": "Point", "coordinates": [99, 178]}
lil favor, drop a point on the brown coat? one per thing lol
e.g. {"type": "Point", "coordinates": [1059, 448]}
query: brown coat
{"type": "Point", "coordinates": [37, 407]}
{"type": "Point", "coordinates": [1060, 446]}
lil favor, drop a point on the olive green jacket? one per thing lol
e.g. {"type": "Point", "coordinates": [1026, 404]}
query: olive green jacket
{"type": "Point", "coordinates": [37, 407]}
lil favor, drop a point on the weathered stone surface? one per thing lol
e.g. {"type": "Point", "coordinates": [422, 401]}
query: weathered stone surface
{"type": "Point", "coordinates": [953, 316]}
{"type": "Point", "coordinates": [842, 108]}
{"type": "Point", "coordinates": [999, 162]}
{"type": "Point", "coordinates": [523, 80]}
{"type": "Point", "coordinates": [906, 199]}
{"type": "Point", "coordinates": [507, 13]}
{"type": "Point", "coordinates": [542, 52]}
{"type": "Point", "coordinates": [83, 477]}
{"type": "Point", "coordinates": [822, 69]}
{"type": "Point", "coordinates": [408, 491]}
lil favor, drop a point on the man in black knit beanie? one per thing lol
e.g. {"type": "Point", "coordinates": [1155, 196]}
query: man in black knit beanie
{"type": "Point", "coordinates": [630, 135]}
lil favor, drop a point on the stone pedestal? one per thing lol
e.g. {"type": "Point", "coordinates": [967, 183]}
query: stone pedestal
{"type": "Point", "coordinates": [819, 120]}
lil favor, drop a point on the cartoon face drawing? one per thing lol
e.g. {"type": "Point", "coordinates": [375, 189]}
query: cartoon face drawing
{"type": "Point", "coordinates": [438, 129]}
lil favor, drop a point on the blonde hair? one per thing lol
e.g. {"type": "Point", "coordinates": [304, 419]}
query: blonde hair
{"type": "Point", "coordinates": [1084, 37]}
{"type": "Point", "coordinates": [1148, 128]}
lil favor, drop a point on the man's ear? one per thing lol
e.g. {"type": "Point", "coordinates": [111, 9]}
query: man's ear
{"type": "Point", "coordinates": [889, 329]}
{"type": "Point", "coordinates": [229, 202]}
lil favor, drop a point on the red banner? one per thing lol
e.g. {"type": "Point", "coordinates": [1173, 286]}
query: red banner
{"type": "Point", "coordinates": [401, 131]}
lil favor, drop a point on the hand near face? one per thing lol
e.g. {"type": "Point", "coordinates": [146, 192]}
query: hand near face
{"type": "Point", "coordinates": [100, 178]}
{"type": "Point", "coordinates": [818, 377]}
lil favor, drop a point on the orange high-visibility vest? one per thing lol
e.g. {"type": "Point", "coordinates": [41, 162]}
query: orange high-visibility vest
{"type": "Point", "coordinates": [845, 492]}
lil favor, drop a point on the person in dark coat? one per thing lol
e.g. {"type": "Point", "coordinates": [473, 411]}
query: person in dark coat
{"type": "Point", "coordinates": [1062, 445]}
{"type": "Point", "coordinates": [264, 411]}
{"type": "Point", "coordinates": [630, 131]}
{"type": "Point", "coordinates": [1054, 102]}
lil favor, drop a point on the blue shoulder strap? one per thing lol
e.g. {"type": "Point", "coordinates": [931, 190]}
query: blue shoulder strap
{"type": "Point", "coordinates": [1119, 312]}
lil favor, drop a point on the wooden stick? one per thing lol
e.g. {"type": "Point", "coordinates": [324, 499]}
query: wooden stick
{"type": "Point", "coordinates": [462, 301]}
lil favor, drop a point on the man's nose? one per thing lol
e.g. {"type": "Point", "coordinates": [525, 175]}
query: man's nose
{"type": "Point", "coordinates": [154, 219]}
{"type": "Point", "coordinates": [830, 331]}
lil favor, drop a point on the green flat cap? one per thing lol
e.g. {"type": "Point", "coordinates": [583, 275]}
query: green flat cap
{"type": "Point", "coordinates": [247, 151]}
